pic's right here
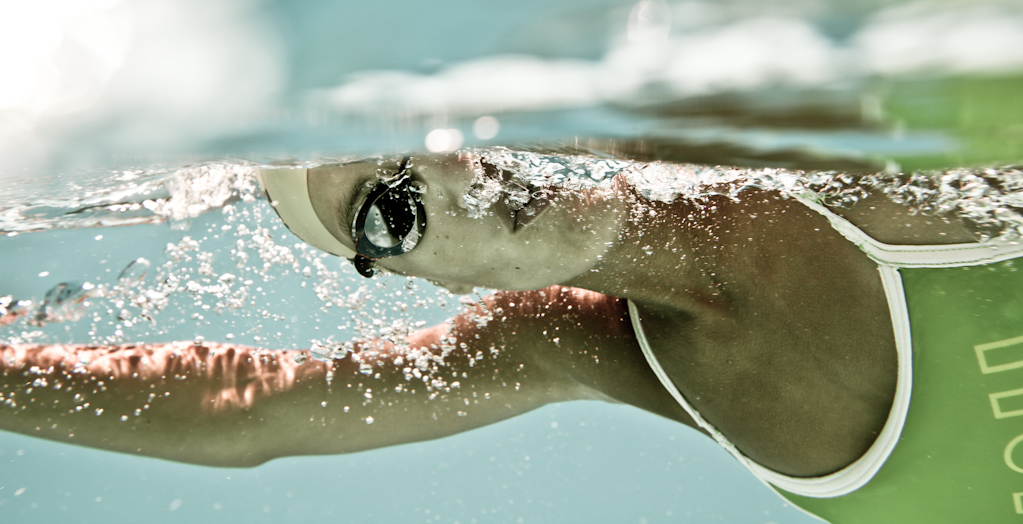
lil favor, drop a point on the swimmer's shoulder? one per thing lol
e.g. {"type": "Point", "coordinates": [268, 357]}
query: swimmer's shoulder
{"type": "Point", "coordinates": [895, 223]}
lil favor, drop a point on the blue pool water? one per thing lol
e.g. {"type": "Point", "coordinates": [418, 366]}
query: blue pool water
{"type": "Point", "coordinates": [124, 102]}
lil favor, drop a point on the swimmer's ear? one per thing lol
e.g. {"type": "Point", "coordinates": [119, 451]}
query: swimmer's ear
{"type": "Point", "coordinates": [363, 265]}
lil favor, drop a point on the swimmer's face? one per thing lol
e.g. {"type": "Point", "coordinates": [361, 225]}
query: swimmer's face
{"type": "Point", "coordinates": [563, 241]}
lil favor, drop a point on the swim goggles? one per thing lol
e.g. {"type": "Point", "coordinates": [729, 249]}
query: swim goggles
{"type": "Point", "coordinates": [390, 222]}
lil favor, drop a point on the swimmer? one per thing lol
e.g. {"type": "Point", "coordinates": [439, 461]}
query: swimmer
{"type": "Point", "coordinates": [794, 334]}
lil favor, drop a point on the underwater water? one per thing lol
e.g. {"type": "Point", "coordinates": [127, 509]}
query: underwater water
{"type": "Point", "coordinates": [130, 213]}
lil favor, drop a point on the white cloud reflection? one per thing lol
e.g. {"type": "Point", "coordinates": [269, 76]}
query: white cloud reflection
{"type": "Point", "coordinates": [144, 71]}
{"type": "Point", "coordinates": [706, 52]}
{"type": "Point", "coordinates": [493, 84]}
{"type": "Point", "coordinates": [959, 39]}
{"type": "Point", "coordinates": [58, 54]}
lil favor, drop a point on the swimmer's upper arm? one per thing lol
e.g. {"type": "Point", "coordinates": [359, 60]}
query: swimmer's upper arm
{"type": "Point", "coordinates": [513, 353]}
{"type": "Point", "coordinates": [584, 342]}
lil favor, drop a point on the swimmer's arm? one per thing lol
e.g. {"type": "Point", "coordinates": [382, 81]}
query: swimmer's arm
{"type": "Point", "coordinates": [178, 401]}
{"type": "Point", "coordinates": [234, 406]}
{"type": "Point", "coordinates": [226, 405]}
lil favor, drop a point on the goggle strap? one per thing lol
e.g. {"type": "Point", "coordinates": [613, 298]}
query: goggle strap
{"type": "Point", "coordinates": [401, 175]}
{"type": "Point", "coordinates": [363, 265]}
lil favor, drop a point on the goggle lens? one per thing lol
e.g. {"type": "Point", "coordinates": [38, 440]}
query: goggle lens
{"type": "Point", "coordinates": [389, 222]}
{"type": "Point", "coordinates": [392, 220]}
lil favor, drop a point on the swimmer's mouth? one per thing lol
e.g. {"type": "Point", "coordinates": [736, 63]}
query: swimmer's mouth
{"type": "Point", "coordinates": [518, 212]}
{"type": "Point", "coordinates": [539, 201]}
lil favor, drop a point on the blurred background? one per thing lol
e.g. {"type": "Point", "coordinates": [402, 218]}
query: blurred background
{"type": "Point", "coordinates": [114, 83]}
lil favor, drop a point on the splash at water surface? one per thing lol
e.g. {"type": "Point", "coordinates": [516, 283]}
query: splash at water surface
{"type": "Point", "coordinates": [227, 250]}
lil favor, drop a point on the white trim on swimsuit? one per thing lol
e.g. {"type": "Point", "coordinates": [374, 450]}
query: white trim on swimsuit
{"type": "Point", "coordinates": [889, 259]}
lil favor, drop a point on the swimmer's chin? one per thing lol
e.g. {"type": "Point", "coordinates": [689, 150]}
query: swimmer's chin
{"type": "Point", "coordinates": [455, 289]}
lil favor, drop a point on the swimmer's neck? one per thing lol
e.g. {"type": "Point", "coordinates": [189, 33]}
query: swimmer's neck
{"type": "Point", "coordinates": [652, 262]}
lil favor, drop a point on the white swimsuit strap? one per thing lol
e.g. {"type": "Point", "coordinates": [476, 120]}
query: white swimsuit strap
{"type": "Point", "coordinates": [655, 365]}
{"type": "Point", "coordinates": [948, 255]}
{"type": "Point", "coordinates": [853, 476]}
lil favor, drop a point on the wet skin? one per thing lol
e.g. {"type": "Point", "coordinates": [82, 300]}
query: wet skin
{"type": "Point", "coordinates": [458, 251]}
{"type": "Point", "coordinates": [773, 326]}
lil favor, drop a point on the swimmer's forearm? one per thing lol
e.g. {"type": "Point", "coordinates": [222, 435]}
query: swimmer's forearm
{"type": "Point", "coordinates": [175, 401]}
{"type": "Point", "coordinates": [233, 406]}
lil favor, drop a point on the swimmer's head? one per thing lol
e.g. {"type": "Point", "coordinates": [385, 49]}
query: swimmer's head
{"type": "Point", "coordinates": [425, 228]}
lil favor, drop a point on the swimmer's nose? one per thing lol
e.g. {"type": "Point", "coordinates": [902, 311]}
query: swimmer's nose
{"type": "Point", "coordinates": [446, 179]}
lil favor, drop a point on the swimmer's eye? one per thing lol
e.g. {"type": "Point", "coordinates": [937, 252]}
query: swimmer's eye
{"type": "Point", "coordinates": [391, 220]}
